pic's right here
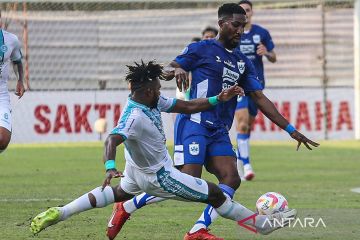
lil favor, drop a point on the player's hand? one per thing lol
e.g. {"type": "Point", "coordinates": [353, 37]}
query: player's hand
{"type": "Point", "coordinates": [229, 93]}
{"type": "Point", "coordinates": [168, 75]}
{"type": "Point", "coordinates": [301, 139]}
{"type": "Point", "coordinates": [20, 89]}
{"type": "Point", "coordinates": [111, 173]}
{"type": "Point", "coordinates": [182, 79]}
{"type": "Point", "coordinates": [261, 50]}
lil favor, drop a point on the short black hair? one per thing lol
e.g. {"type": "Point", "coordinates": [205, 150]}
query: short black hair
{"type": "Point", "coordinates": [228, 9]}
{"type": "Point", "coordinates": [210, 29]}
{"type": "Point", "coordinates": [246, 2]}
{"type": "Point", "coordinates": [142, 73]}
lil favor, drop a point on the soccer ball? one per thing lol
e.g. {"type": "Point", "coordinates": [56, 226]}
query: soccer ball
{"type": "Point", "coordinates": [271, 202]}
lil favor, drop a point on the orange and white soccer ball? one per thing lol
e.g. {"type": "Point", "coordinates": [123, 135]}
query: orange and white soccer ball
{"type": "Point", "coordinates": [271, 202]}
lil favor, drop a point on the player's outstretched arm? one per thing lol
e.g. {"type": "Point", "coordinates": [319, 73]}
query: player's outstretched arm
{"type": "Point", "coordinates": [202, 104]}
{"type": "Point", "coordinates": [112, 141]}
{"type": "Point", "coordinates": [270, 111]}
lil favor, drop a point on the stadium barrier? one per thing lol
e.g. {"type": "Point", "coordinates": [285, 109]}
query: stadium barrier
{"type": "Point", "coordinates": [69, 116]}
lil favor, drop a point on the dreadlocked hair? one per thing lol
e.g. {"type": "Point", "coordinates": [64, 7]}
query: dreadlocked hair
{"type": "Point", "coordinates": [142, 73]}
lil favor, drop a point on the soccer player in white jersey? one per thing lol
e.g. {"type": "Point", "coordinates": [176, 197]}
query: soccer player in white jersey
{"type": "Point", "coordinates": [148, 164]}
{"type": "Point", "coordinates": [9, 52]}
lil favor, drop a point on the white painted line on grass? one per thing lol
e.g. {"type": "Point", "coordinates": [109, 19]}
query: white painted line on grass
{"type": "Point", "coordinates": [33, 199]}
{"type": "Point", "coordinates": [357, 190]}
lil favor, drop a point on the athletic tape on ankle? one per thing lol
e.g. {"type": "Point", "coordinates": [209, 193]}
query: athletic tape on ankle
{"type": "Point", "coordinates": [290, 128]}
{"type": "Point", "coordinates": [110, 164]}
{"type": "Point", "coordinates": [213, 100]}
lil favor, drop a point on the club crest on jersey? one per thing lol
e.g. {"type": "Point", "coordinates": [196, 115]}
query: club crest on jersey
{"type": "Point", "coordinates": [3, 49]}
{"type": "Point", "coordinates": [229, 75]}
{"type": "Point", "coordinates": [194, 149]}
{"type": "Point", "coordinates": [256, 38]}
{"type": "Point", "coordinates": [241, 66]}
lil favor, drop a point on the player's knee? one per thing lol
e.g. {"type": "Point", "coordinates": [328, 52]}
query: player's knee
{"type": "Point", "coordinates": [191, 169]}
{"type": "Point", "coordinates": [4, 142]}
{"type": "Point", "coordinates": [92, 200]}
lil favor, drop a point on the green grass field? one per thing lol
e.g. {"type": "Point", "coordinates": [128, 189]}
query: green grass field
{"type": "Point", "coordinates": [317, 183]}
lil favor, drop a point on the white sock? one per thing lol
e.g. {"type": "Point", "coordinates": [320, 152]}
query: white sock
{"type": "Point", "coordinates": [235, 211]}
{"type": "Point", "coordinates": [81, 204]}
{"type": "Point", "coordinates": [204, 223]}
{"type": "Point", "coordinates": [240, 168]}
{"type": "Point", "coordinates": [140, 201]}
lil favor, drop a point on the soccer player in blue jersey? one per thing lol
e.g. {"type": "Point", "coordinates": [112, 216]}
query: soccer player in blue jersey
{"type": "Point", "coordinates": [202, 139]}
{"type": "Point", "coordinates": [148, 164]}
{"type": "Point", "coordinates": [255, 43]}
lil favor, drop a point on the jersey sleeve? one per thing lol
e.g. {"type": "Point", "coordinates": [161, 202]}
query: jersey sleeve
{"type": "Point", "coordinates": [166, 104]}
{"type": "Point", "coordinates": [189, 58]}
{"type": "Point", "coordinates": [267, 41]}
{"type": "Point", "coordinates": [16, 54]}
{"type": "Point", "coordinates": [129, 127]}
{"type": "Point", "coordinates": [250, 81]}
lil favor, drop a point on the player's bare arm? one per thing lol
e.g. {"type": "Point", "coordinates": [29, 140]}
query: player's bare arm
{"type": "Point", "coordinates": [270, 111]}
{"type": "Point", "coordinates": [262, 51]}
{"type": "Point", "coordinates": [20, 89]}
{"type": "Point", "coordinates": [202, 104]}
{"type": "Point", "coordinates": [111, 144]}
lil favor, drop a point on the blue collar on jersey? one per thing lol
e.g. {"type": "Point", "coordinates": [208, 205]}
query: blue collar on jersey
{"type": "Point", "coordinates": [138, 105]}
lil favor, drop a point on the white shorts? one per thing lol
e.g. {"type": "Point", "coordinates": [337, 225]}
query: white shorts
{"type": "Point", "coordinates": [5, 116]}
{"type": "Point", "coordinates": [168, 182]}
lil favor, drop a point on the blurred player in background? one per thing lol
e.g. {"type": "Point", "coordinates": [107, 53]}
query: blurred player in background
{"type": "Point", "coordinates": [9, 52]}
{"type": "Point", "coordinates": [202, 139]}
{"type": "Point", "coordinates": [209, 32]}
{"type": "Point", "coordinates": [255, 43]}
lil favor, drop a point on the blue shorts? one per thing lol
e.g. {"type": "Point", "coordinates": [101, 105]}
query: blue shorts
{"type": "Point", "coordinates": [194, 143]}
{"type": "Point", "coordinates": [247, 102]}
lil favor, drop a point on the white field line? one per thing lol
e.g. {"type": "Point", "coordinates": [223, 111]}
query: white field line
{"type": "Point", "coordinates": [357, 190]}
{"type": "Point", "coordinates": [34, 199]}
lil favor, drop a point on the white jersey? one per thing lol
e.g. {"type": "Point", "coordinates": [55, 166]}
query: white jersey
{"type": "Point", "coordinates": [142, 127]}
{"type": "Point", "coordinates": [9, 51]}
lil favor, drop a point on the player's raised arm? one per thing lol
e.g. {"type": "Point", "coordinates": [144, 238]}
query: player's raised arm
{"type": "Point", "coordinates": [202, 104]}
{"type": "Point", "coordinates": [270, 111]}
